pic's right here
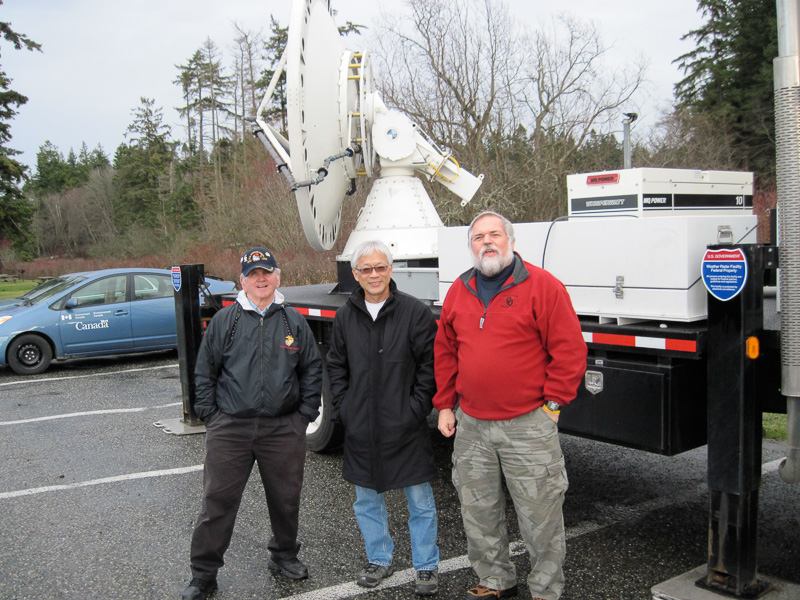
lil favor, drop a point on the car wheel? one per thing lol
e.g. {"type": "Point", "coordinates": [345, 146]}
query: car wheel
{"type": "Point", "coordinates": [323, 435]}
{"type": "Point", "coordinates": [29, 354]}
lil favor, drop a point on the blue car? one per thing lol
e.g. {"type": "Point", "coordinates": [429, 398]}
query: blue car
{"type": "Point", "coordinates": [96, 313]}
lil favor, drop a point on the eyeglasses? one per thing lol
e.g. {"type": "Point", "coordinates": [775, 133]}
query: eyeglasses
{"type": "Point", "coordinates": [380, 269]}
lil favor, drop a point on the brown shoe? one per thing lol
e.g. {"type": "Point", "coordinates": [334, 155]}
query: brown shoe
{"type": "Point", "coordinates": [481, 591]}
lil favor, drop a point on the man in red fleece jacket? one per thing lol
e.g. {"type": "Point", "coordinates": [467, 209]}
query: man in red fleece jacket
{"type": "Point", "coordinates": [510, 351]}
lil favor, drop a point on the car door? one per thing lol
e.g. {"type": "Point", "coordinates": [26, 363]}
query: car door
{"type": "Point", "coordinates": [96, 318]}
{"type": "Point", "coordinates": [153, 312]}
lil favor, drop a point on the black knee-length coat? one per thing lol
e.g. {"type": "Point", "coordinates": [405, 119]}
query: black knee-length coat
{"type": "Point", "coordinates": [382, 382]}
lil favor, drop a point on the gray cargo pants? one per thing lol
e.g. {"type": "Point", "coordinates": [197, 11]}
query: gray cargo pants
{"type": "Point", "coordinates": [527, 453]}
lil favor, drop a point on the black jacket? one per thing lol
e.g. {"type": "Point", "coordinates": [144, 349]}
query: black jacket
{"type": "Point", "coordinates": [382, 382]}
{"type": "Point", "coordinates": [266, 365]}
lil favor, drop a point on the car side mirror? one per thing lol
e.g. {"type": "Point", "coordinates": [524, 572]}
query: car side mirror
{"type": "Point", "coordinates": [70, 303]}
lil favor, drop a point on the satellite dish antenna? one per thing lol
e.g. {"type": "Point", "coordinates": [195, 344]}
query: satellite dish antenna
{"type": "Point", "coordinates": [339, 129]}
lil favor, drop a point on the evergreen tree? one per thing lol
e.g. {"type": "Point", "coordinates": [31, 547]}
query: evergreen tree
{"type": "Point", "coordinates": [218, 86]}
{"type": "Point", "coordinates": [142, 166]}
{"type": "Point", "coordinates": [206, 88]}
{"type": "Point", "coordinates": [600, 152]}
{"type": "Point", "coordinates": [89, 160]}
{"type": "Point", "coordinates": [55, 174]}
{"type": "Point", "coordinates": [218, 90]}
{"type": "Point", "coordinates": [276, 112]}
{"type": "Point", "coordinates": [192, 86]}
{"type": "Point", "coordinates": [15, 212]}
{"type": "Point", "coordinates": [729, 75]}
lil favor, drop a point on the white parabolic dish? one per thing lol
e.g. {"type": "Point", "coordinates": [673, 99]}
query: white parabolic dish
{"type": "Point", "coordinates": [314, 49]}
{"type": "Point", "coordinates": [339, 128]}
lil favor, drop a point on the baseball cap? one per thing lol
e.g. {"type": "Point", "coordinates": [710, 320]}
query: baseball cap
{"type": "Point", "coordinates": [258, 258]}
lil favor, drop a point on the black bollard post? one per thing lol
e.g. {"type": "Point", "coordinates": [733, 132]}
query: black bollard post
{"type": "Point", "coordinates": [734, 429]}
{"type": "Point", "coordinates": [187, 280]}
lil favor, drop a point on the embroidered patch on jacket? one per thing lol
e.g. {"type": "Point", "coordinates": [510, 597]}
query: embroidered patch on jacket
{"type": "Point", "coordinates": [509, 301]}
{"type": "Point", "coordinates": [289, 343]}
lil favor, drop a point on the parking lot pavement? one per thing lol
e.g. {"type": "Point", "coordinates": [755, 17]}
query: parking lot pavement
{"type": "Point", "coordinates": [99, 503]}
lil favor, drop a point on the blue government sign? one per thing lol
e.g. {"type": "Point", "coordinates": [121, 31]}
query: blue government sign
{"type": "Point", "coordinates": [724, 273]}
{"type": "Point", "coordinates": [176, 278]}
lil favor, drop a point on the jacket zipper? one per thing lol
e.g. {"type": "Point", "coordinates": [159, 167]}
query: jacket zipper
{"type": "Point", "coordinates": [486, 307]}
{"type": "Point", "coordinates": [261, 350]}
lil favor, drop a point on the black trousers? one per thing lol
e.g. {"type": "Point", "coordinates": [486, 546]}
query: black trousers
{"type": "Point", "coordinates": [278, 446]}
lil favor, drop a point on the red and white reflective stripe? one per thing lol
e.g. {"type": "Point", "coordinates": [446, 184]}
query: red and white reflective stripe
{"type": "Point", "coordinates": [316, 312]}
{"type": "Point", "coordinates": [638, 341]}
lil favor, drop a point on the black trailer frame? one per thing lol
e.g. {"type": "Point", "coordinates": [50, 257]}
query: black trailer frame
{"type": "Point", "coordinates": [662, 388]}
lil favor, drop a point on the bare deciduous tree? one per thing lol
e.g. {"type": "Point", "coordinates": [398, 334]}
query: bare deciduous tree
{"type": "Point", "coordinates": [689, 139]}
{"type": "Point", "coordinates": [512, 104]}
{"type": "Point", "coordinates": [569, 93]}
{"type": "Point", "coordinates": [247, 55]}
{"type": "Point", "coordinates": [99, 196]}
{"type": "Point", "coordinates": [70, 221]}
{"type": "Point", "coordinates": [451, 67]}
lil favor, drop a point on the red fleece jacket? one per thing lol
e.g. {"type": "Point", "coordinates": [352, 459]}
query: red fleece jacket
{"type": "Point", "coordinates": [507, 359]}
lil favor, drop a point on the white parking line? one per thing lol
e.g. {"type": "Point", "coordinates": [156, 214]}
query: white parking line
{"type": "Point", "coordinates": [351, 590]}
{"type": "Point", "coordinates": [108, 411]}
{"type": "Point", "coordinates": [46, 379]}
{"type": "Point", "coordinates": [116, 479]}
{"type": "Point", "coordinates": [579, 529]}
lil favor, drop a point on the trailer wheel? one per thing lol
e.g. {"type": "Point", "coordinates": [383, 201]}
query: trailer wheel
{"type": "Point", "coordinates": [323, 435]}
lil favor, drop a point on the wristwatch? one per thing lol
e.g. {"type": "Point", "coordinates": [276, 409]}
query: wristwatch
{"type": "Point", "coordinates": [553, 407]}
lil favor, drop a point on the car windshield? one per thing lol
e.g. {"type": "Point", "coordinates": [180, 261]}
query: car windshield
{"type": "Point", "coordinates": [51, 287]}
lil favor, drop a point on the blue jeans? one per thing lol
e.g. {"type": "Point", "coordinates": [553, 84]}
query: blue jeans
{"type": "Point", "coordinates": [370, 509]}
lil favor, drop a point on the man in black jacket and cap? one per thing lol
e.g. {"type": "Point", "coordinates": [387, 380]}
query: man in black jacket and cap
{"type": "Point", "coordinates": [380, 365]}
{"type": "Point", "coordinates": [259, 384]}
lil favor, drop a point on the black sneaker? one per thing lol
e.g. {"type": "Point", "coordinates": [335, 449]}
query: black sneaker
{"type": "Point", "coordinates": [373, 574]}
{"type": "Point", "coordinates": [426, 583]}
{"type": "Point", "coordinates": [199, 589]}
{"type": "Point", "coordinates": [290, 567]}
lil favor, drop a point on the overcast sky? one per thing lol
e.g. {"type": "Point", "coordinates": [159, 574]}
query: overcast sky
{"type": "Point", "coordinates": [99, 57]}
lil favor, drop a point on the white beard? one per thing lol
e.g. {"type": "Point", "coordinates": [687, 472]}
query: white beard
{"type": "Point", "coordinates": [490, 266]}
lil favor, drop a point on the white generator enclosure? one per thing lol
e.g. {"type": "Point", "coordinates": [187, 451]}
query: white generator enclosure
{"type": "Point", "coordinates": [649, 192]}
{"type": "Point", "coordinates": [619, 265]}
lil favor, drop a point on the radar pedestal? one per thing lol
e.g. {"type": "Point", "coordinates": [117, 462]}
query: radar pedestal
{"type": "Point", "coordinates": [338, 130]}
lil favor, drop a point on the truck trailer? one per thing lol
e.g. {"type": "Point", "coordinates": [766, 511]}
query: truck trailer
{"type": "Point", "coordinates": [690, 323]}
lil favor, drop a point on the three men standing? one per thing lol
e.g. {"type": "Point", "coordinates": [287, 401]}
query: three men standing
{"type": "Point", "coordinates": [510, 352]}
{"type": "Point", "coordinates": [381, 372]}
